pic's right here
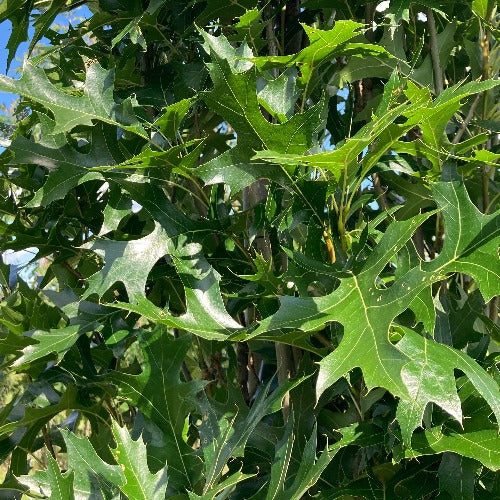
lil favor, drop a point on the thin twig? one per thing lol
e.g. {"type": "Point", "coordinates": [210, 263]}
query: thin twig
{"type": "Point", "coordinates": [491, 203]}
{"type": "Point", "coordinates": [242, 369]}
{"type": "Point", "coordinates": [47, 440]}
{"type": "Point", "coordinates": [468, 118]}
{"type": "Point", "coordinates": [321, 338]}
{"type": "Point", "coordinates": [382, 199]}
{"type": "Point", "coordinates": [493, 309]}
{"type": "Point", "coordinates": [286, 368]}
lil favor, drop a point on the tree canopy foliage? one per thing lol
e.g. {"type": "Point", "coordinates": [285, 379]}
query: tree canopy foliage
{"type": "Point", "coordinates": [265, 250]}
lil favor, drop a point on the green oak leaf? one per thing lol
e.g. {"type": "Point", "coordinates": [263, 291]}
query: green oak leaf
{"type": "Point", "coordinates": [368, 334]}
{"type": "Point", "coordinates": [128, 262]}
{"type": "Point", "coordinates": [429, 377]}
{"type": "Point", "coordinates": [236, 169]}
{"type": "Point", "coordinates": [225, 486]}
{"type": "Point", "coordinates": [311, 466]}
{"type": "Point", "coordinates": [131, 456]}
{"type": "Point", "coordinates": [279, 96]}
{"type": "Point", "coordinates": [454, 471]}
{"type": "Point", "coordinates": [35, 418]}
{"type": "Point", "coordinates": [154, 5]}
{"type": "Point", "coordinates": [362, 435]}
{"type": "Point", "coordinates": [161, 396]}
{"type": "Point", "coordinates": [315, 60]}
{"type": "Point", "coordinates": [435, 116]}
{"type": "Point", "coordinates": [205, 314]}
{"type": "Point", "coordinates": [417, 196]}
{"type": "Point", "coordinates": [93, 477]}
{"type": "Point", "coordinates": [225, 436]}
{"type": "Point", "coordinates": [346, 155]}
{"type": "Point", "coordinates": [481, 445]}
{"type": "Point", "coordinates": [96, 103]}
{"type": "Point", "coordinates": [133, 30]}
{"type": "Point", "coordinates": [282, 456]}
{"type": "Point", "coordinates": [223, 10]}
{"type": "Point", "coordinates": [51, 481]}
{"type": "Point", "coordinates": [84, 317]}
{"type": "Point", "coordinates": [323, 46]}
{"type": "Point", "coordinates": [483, 8]}
{"type": "Point", "coordinates": [31, 424]}
{"type": "Point", "coordinates": [152, 197]}
{"type": "Point", "coordinates": [56, 340]}
{"type": "Point", "coordinates": [418, 110]}
{"type": "Point", "coordinates": [18, 13]}
{"type": "Point", "coordinates": [234, 98]}
{"type": "Point", "coordinates": [149, 158]}
{"type": "Point", "coordinates": [168, 122]}
{"type": "Point", "coordinates": [455, 318]}
{"type": "Point", "coordinates": [375, 66]}
{"type": "Point", "coordinates": [423, 304]}
{"type": "Point", "coordinates": [43, 21]}
{"type": "Point", "coordinates": [204, 322]}
{"type": "Point", "coordinates": [118, 206]}
{"type": "Point", "coordinates": [310, 469]}
{"type": "Point", "coordinates": [399, 11]}
{"type": "Point", "coordinates": [365, 343]}
{"type": "Point", "coordinates": [66, 167]}
{"type": "Point", "coordinates": [249, 27]}
{"type": "Point", "coordinates": [264, 275]}
{"type": "Point", "coordinates": [467, 250]}
{"type": "Point", "coordinates": [365, 487]}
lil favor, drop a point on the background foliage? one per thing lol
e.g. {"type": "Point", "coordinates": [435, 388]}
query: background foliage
{"type": "Point", "coordinates": [266, 250]}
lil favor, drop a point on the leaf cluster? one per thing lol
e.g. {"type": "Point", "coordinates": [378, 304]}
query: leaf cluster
{"type": "Point", "coordinates": [263, 250]}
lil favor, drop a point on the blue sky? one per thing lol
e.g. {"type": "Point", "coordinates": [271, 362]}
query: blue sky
{"type": "Point", "coordinates": [5, 31]}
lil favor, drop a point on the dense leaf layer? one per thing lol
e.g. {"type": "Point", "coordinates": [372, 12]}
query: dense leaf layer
{"type": "Point", "coordinates": [249, 250]}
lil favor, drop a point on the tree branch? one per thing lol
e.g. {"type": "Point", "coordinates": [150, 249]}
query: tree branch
{"type": "Point", "coordinates": [436, 63]}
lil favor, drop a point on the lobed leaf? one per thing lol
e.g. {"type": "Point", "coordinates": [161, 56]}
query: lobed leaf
{"type": "Point", "coordinates": [96, 103]}
{"type": "Point", "coordinates": [131, 456]}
